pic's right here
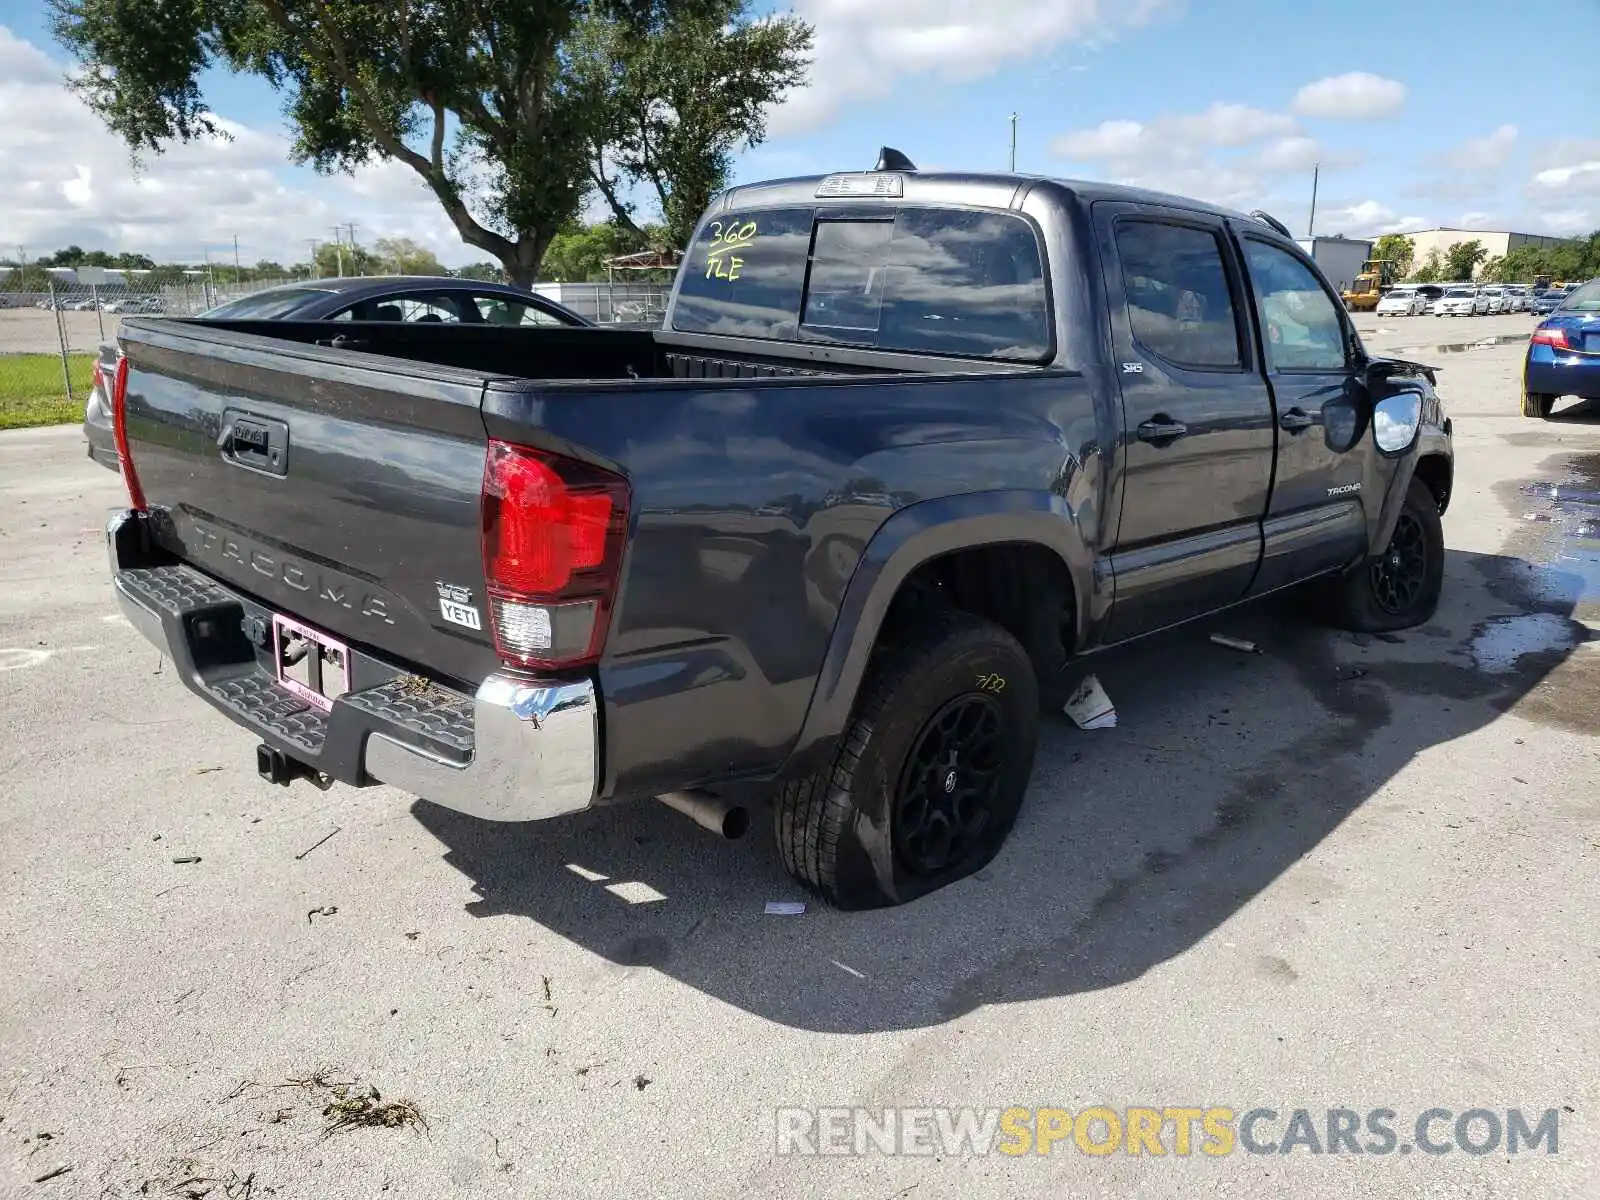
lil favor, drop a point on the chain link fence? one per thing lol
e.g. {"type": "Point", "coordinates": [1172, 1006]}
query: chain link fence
{"type": "Point", "coordinates": [71, 320]}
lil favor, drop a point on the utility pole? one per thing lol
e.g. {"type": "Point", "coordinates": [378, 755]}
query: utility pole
{"type": "Point", "coordinates": [314, 243]}
{"type": "Point", "coordinates": [236, 275]}
{"type": "Point", "coordinates": [1311, 223]}
{"type": "Point", "coordinates": [338, 249]}
{"type": "Point", "coordinates": [1013, 142]}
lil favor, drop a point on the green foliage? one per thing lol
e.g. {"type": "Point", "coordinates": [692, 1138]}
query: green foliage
{"type": "Point", "coordinates": [1578, 259]}
{"type": "Point", "coordinates": [31, 278]}
{"type": "Point", "coordinates": [1397, 248]}
{"type": "Point", "coordinates": [1462, 257]}
{"type": "Point", "coordinates": [495, 104]}
{"type": "Point", "coordinates": [485, 272]}
{"type": "Point", "coordinates": [1431, 270]}
{"type": "Point", "coordinates": [578, 253]}
{"type": "Point", "coordinates": [677, 97]}
{"type": "Point", "coordinates": [334, 259]}
{"type": "Point", "coordinates": [402, 256]}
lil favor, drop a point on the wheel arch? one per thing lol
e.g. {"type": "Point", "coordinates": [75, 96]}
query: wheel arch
{"type": "Point", "coordinates": [1032, 527]}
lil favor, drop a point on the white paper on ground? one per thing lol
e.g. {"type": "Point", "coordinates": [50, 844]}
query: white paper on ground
{"type": "Point", "coordinates": [785, 908]}
{"type": "Point", "coordinates": [1090, 707]}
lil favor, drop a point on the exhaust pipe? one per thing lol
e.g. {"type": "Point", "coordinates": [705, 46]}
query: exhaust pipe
{"type": "Point", "coordinates": [722, 817]}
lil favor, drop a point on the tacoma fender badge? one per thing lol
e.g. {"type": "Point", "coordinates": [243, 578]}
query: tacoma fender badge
{"type": "Point", "coordinates": [1344, 489]}
{"type": "Point", "coordinates": [455, 605]}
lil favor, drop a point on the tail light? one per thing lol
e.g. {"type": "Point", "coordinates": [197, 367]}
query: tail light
{"type": "Point", "coordinates": [1554, 336]}
{"type": "Point", "coordinates": [119, 425]}
{"type": "Point", "coordinates": [553, 533]}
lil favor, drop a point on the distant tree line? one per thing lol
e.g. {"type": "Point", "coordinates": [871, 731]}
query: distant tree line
{"type": "Point", "coordinates": [577, 253]}
{"type": "Point", "coordinates": [1575, 260]}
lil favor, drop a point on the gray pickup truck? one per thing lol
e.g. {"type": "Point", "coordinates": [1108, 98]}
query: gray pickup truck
{"type": "Point", "coordinates": [906, 448]}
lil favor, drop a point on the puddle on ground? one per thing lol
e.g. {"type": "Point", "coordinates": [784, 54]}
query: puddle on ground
{"type": "Point", "coordinates": [1564, 515]}
{"type": "Point", "coordinates": [1483, 343]}
{"type": "Point", "coordinates": [1501, 642]}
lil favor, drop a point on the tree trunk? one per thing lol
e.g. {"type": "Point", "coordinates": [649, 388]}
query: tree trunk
{"type": "Point", "coordinates": [524, 256]}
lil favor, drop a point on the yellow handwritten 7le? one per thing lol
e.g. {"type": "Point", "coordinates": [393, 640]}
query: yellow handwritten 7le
{"type": "Point", "coordinates": [721, 261]}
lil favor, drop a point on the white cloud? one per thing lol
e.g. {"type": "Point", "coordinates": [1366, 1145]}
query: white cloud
{"type": "Point", "coordinates": [1354, 96]}
{"type": "Point", "coordinates": [1484, 153]}
{"type": "Point", "coordinates": [1291, 154]}
{"type": "Point", "coordinates": [65, 180]}
{"type": "Point", "coordinates": [1583, 177]}
{"type": "Point", "coordinates": [1232, 125]}
{"type": "Point", "coordinates": [1367, 219]}
{"type": "Point", "coordinates": [865, 48]}
{"type": "Point", "coordinates": [1109, 139]}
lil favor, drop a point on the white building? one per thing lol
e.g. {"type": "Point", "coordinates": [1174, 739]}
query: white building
{"type": "Point", "coordinates": [1497, 242]}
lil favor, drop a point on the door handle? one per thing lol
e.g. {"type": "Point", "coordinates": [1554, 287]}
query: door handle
{"type": "Point", "coordinates": [1161, 428]}
{"type": "Point", "coordinates": [1295, 420]}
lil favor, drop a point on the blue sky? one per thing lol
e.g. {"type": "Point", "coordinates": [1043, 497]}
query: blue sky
{"type": "Point", "coordinates": [1421, 114]}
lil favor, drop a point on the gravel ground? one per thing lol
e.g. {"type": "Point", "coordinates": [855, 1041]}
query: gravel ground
{"type": "Point", "coordinates": [1343, 872]}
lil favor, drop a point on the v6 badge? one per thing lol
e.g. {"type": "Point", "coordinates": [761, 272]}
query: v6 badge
{"type": "Point", "coordinates": [455, 605]}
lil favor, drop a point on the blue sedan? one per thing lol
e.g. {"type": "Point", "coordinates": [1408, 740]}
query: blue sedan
{"type": "Point", "coordinates": [1564, 354]}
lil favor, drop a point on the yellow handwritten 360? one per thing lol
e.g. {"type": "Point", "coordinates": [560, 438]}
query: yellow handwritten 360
{"type": "Point", "coordinates": [728, 237]}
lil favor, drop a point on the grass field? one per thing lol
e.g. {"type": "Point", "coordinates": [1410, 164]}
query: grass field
{"type": "Point", "coordinates": [32, 393]}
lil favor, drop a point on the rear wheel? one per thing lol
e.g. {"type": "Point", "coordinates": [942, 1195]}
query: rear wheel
{"type": "Point", "coordinates": [1537, 404]}
{"type": "Point", "coordinates": [929, 775]}
{"type": "Point", "coordinates": [1399, 588]}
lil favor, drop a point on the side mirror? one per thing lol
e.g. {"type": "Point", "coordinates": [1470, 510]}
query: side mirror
{"type": "Point", "coordinates": [1395, 422]}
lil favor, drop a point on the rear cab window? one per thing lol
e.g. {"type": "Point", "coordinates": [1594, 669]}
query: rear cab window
{"type": "Point", "coordinates": [920, 280]}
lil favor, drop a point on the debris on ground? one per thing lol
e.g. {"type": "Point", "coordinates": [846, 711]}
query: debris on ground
{"type": "Point", "coordinates": [207, 770]}
{"type": "Point", "coordinates": [314, 845]}
{"type": "Point", "coordinates": [640, 1082]}
{"type": "Point", "coordinates": [186, 858]}
{"type": "Point", "coordinates": [1090, 707]}
{"type": "Point", "coordinates": [326, 910]}
{"type": "Point", "coordinates": [367, 1109]}
{"type": "Point", "coordinates": [49, 1175]}
{"type": "Point", "coordinates": [1233, 643]}
{"type": "Point", "coordinates": [785, 908]}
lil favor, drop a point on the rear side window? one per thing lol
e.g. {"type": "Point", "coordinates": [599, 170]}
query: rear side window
{"type": "Point", "coordinates": [1177, 293]}
{"type": "Point", "coordinates": [922, 280]}
{"type": "Point", "coordinates": [744, 275]}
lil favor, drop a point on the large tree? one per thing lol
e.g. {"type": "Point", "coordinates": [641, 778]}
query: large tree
{"type": "Point", "coordinates": [1398, 249]}
{"type": "Point", "coordinates": [1463, 258]}
{"type": "Point", "coordinates": [677, 97]}
{"type": "Point", "coordinates": [489, 102]}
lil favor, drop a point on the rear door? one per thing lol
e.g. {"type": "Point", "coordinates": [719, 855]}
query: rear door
{"type": "Point", "coordinates": [338, 488]}
{"type": "Point", "coordinates": [1315, 520]}
{"type": "Point", "coordinates": [1198, 422]}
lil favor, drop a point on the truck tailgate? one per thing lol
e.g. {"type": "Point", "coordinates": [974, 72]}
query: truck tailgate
{"type": "Point", "coordinates": [342, 489]}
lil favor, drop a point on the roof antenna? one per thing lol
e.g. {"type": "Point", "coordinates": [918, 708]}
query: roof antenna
{"type": "Point", "coordinates": [890, 159]}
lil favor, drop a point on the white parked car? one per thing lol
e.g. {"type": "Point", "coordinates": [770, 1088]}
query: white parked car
{"type": "Point", "coordinates": [1517, 296]}
{"type": "Point", "coordinates": [1495, 297]}
{"type": "Point", "coordinates": [1403, 302]}
{"type": "Point", "coordinates": [1459, 302]}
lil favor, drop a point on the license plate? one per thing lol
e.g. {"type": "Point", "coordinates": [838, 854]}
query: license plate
{"type": "Point", "coordinates": [308, 664]}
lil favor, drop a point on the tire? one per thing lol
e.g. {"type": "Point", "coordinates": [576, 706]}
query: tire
{"type": "Point", "coordinates": [872, 830]}
{"type": "Point", "coordinates": [1537, 404]}
{"type": "Point", "coordinates": [1383, 594]}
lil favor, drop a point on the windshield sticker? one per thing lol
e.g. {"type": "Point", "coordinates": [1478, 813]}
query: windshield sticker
{"type": "Point", "coordinates": [724, 255]}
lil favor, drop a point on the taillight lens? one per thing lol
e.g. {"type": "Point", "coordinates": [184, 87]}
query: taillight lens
{"type": "Point", "coordinates": [1554, 336]}
{"type": "Point", "coordinates": [119, 425]}
{"type": "Point", "coordinates": [553, 533]}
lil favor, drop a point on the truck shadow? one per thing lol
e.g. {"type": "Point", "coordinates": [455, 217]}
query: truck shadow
{"type": "Point", "coordinates": [1226, 770]}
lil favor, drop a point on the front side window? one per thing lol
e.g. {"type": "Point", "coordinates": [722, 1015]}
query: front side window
{"type": "Point", "coordinates": [1179, 303]}
{"type": "Point", "coordinates": [1299, 321]}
